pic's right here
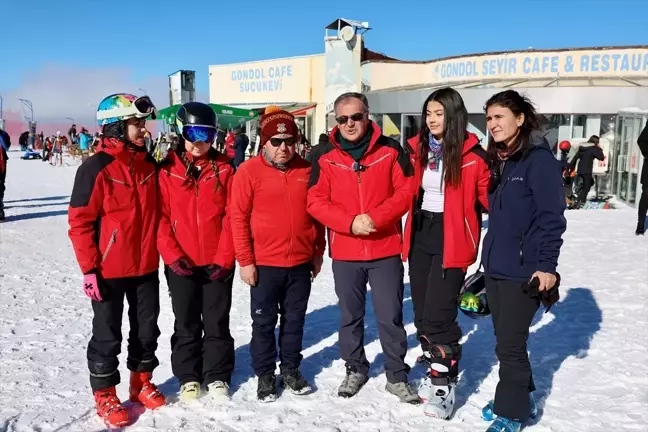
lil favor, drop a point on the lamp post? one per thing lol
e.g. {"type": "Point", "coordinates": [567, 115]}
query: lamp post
{"type": "Point", "coordinates": [142, 90]}
{"type": "Point", "coordinates": [31, 124]}
{"type": "Point", "coordinates": [70, 118]}
{"type": "Point", "coordinates": [1, 101]}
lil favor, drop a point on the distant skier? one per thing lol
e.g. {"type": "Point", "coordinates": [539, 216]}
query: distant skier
{"type": "Point", "coordinates": [5, 143]}
{"type": "Point", "coordinates": [642, 142]}
{"type": "Point", "coordinates": [195, 242]}
{"type": "Point", "coordinates": [587, 152]}
{"type": "Point", "coordinates": [113, 229]}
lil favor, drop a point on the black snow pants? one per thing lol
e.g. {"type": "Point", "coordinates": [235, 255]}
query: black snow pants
{"type": "Point", "coordinates": [512, 311]}
{"type": "Point", "coordinates": [202, 348]}
{"type": "Point", "coordinates": [3, 178]}
{"type": "Point", "coordinates": [142, 294]}
{"type": "Point", "coordinates": [386, 279]}
{"type": "Point", "coordinates": [434, 289]}
{"type": "Point", "coordinates": [281, 293]}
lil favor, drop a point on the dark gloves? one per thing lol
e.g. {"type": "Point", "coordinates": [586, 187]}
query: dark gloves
{"type": "Point", "coordinates": [94, 286]}
{"type": "Point", "coordinates": [219, 273]}
{"type": "Point", "coordinates": [547, 297]}
{"type": "Point", "coordinates": [181, 267]}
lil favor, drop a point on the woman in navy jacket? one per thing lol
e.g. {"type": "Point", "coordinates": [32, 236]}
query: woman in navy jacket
{"type": "Point", "coordinates": [525, 228]}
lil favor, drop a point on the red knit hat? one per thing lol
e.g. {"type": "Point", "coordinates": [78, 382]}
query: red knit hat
{"type": "Point", "coordinates": [277, 123]}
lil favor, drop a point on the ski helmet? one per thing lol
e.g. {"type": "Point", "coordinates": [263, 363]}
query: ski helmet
{"type": "Point", "coordinates": [472, 300]}
{"type": "Point", "coordinates": [564, 146]}
{"type": "Point", "coordinates": [122, 106]}
{"type": "Point", "coordinates": [196, 121]}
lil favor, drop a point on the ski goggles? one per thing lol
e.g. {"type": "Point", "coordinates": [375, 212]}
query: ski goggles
{"type": "Point", "coordinates": [144, 105]}
{"type": "Point", "coordinates": [199, 133]}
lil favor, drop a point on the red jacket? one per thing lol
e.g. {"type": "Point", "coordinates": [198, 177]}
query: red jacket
{"type": "Point", "coordinates": [229, 145]}
{"type": "Point", "coordinates": [382, 189]}
{"type": "Point", "coordinates": [194, 221]}
{"type": "Point", "coordinates": [113, 212]}
{"type": "Point", "coordinates": [270, 225]}
{"type": "Point", "coordinates": [461, 217]}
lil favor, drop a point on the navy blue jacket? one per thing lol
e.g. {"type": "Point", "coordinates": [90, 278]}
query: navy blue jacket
{"type": "Point", "coordinates": [526, 216]}
{"type": "Point", "coordinates": [241, 142]}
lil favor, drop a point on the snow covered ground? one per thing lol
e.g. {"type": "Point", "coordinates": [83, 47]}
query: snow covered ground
{"type": "Point", "coordinates": [589, 353]}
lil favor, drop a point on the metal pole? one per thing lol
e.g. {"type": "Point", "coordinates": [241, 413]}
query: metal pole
{"type": "Point", "coordinates": [1, 101]}
{"type": "Point", "coordinates": [142, 90]}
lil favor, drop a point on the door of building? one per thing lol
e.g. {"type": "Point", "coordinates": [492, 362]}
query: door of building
{"type": "Point", "coordinates": [628, 159]}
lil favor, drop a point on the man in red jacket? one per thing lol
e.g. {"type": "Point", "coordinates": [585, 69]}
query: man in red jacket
{"type": "Point", "coordinates": [279, 248]}
{"type": "Point", "coordinates": [113, 227]}
{"type": "Point", "coordinates": [361, 186]}
{"type": "Point", "coordinates": [5, 143]}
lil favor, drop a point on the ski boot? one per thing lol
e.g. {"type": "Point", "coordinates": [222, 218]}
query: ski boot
{"type": "Point", "coordinates": [190, 391]}
{"type": "Point", "coordinates": [503, 424]}
{"type": "Point", "coordinates": [641, 228]}
{"type": "Point", "coordinates": [219, 391]}
{"type": "Point", "coordinates": [488, 414]}
{"type": "Point", "coordinates": [437, 390]}
{"type": "Point", "coordinates": [110, 408]}
{"type": "Point", "coordinates": [144, 391]}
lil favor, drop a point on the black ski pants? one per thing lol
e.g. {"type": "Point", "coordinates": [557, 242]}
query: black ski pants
{"type": "Point", "coordinates": [586, 185]}
{"type": "Point", "coordinates": [643, 204]}
{"type": "Point", "coordinates": [282, 294]}
{"type": "Point", "coordinates": [3, 178]}
{"type": "Point", "coordinates": [512, 311]}
{"type": "Point", "coordinates": [434, 289]}
{"type": "Point", "coordinates": [142, 294]}
{"type": "Point", "coordinates": [202, 348]}
{"type": "Point", "coordinates": [386, 279]}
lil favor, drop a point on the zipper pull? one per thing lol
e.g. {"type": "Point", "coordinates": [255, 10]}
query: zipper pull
{"type": "Point", "coordinates": [359, 181]}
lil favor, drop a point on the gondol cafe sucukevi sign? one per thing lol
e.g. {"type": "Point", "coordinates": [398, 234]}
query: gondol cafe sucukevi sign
{"type": "Point", "coordinates": [561, 64]}
{"type": "Point", "coordinates": [261, 79]}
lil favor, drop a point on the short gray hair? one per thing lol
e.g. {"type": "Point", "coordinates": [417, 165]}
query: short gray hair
{"type": "Point", "coordinates": [351, 95]}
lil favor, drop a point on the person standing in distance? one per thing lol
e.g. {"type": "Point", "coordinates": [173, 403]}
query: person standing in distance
{"type": "Point", "coordinates": [442, 235]}
{"type": "Point", "coordinates": [642, 142]}
{"type": "Point", "coordinates": [360, 188]}
{"type": "Point", "coordinates": [5, 143]}
{"type": "Point", "coordinates": [195, 242]}
{"type": "Point", "coordinates": [279, 248]}
{"type": "Point", "coordinates": [113, 226]}
{"type": "Point", "coordinates": [525, 227]}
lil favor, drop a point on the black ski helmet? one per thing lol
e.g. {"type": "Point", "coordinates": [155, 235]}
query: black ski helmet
{"type": "Point", "coordinates": [472, 300]}
{"type": "Point", "coordinates": [195, 113]}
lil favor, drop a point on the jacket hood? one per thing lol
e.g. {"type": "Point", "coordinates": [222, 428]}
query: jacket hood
{"type": "Point", "coordinates": [537, 141]}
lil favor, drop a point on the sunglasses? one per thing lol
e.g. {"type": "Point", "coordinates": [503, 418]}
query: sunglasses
{"type": "Point", "coordinates": [199, 133]}
{"type": "Point", "coordinates": [345, 119]}
{"type": "Point", "coordinates": [276, 142]}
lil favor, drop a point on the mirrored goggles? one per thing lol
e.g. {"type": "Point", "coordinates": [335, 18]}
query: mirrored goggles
{"type": "Point", "coordinates": [199, 133]}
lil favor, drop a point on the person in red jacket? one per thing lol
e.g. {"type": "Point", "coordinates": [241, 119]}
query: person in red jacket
{"type": "Point", "coordinates": [279, 248]}
{"type": "Point", "coordinates": [113, 224]}
{"type": "Point", "coordinates": [442, 235]}
{"type": "Point", "coordinates": [195, 242]}
{"type": "Point", "coordinates": [360, 189]}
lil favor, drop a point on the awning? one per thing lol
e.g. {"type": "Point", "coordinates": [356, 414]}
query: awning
{"type": "Point", "coordinates": [303, 112]}
{"type": "Point", "coordinates": [228, 117]}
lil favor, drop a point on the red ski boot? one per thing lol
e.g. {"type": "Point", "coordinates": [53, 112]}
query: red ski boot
{"type": "Point", "coordinates": [109, 407]}
{"type": "Point", "coordinates": [144, 391]}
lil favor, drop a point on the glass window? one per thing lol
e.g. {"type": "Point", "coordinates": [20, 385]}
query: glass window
{"type": "Point", "coordinates": [412, 126]}
{"type": "Point", "coordinates": [556, 128]}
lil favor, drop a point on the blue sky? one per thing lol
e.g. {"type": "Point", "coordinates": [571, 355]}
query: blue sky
{"type": "Point", "coordinates": [45, 43]}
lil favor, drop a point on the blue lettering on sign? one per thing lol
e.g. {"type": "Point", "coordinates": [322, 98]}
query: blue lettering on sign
{"type": "Point", "coordinates": [268, 79]}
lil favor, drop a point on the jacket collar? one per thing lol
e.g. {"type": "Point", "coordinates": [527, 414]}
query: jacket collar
{"type": "Point", "coordinates": [377, 133]}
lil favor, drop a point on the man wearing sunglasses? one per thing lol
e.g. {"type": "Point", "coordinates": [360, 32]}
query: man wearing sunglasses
{"type": "Point", "coordinates": [360, 189]}
{"type": "Point", "coordinates": [279, 248]}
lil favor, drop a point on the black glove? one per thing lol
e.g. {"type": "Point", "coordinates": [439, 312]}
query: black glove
{"type": "Point", "coordinates": [547, 297]}
{"type": "Point", "coordinates": [219, 273]}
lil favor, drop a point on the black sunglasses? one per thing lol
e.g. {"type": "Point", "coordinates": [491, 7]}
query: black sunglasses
{"type": "Point", "coordinates": [345, 119]}
{"type": "Point", "coordinates": [276, 142]}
